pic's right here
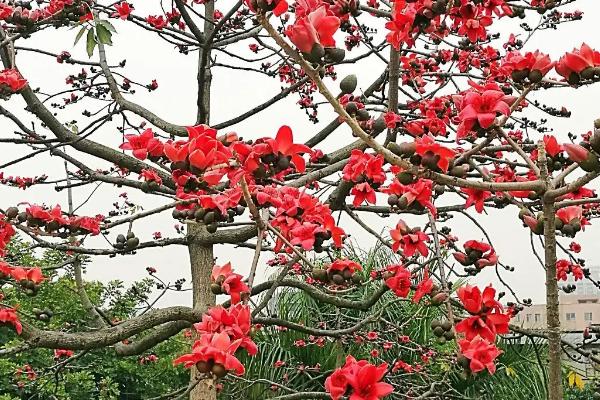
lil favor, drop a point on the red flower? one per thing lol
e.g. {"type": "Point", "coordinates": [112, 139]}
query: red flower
{"type": "Point", "coordinates": [344, 264]}
{"type": "Point", "coordinates": [361, 165]}
{"type": "Point", "coordinates": [424, 287]}
{"type": "Point", "coordinates": [361, 377]}
{"type": "Point", "coordinates": [6, 233]}
{"type": "Point", "coordinates": [361, 192]}
{"type": "Point", "coordinates": [230, 282]}
{"type": "Point", "coordinates": [13, 79]}
{"type": "Point", "coordinates": [215, 348]}
{"type": "Point", "coordinates": [401, 26]}
{"type": "Point", "coordinates": [391, 119]}
{"type": "Point", "coordinates": [479, 253]}
{"type": "Point", "coordinates": [473, 24]}
{"type": "Point", "coordinates": [9, 316]}
{"type": "Point", "coordinates": [150, 175]}
{"type": "Point", "coordinates": [552, 146]}
{"type": "Point", "coordinates": [277, 6]}
{"type": "Point", "coordinates": [123, 10]}
{"type": "Point", "coordinates": [284, 145]}
{"type": "Point", "coordinates": [410, 241]}
{"type": "Point", "coordinates": [572, 64]}
{"type": "Point", "coordinates": [481, 353]}
{"type": "Point", "coordinates": [571, 213]}
{"type": "Point", "coordinates": [575, 247]}
{"type": "Point", "coordinates": [316, 28]}
{"type": "Point", "coordinates": [476, 197]}
{"type": "Point", "coordinates": [60, 353]}
{"type": "Point", "coordinates": [426, 146]}
{"type": "Point", "coordinates": [399, 282]}
{"type": "Point", "coordinates": [34, 275]}
{"type": "Point", "coordinates": [480, 109]}
{"type": "Point", "coordinates": [143, 145]}
{"type": "Point", "coordinates": [529, 62]}
{"type": "Point", "coordinates": [484, 322]}
{"type": "Point", "coordinates": [474, 301]}
{"type": "Point", "coordinates": [234, 321]}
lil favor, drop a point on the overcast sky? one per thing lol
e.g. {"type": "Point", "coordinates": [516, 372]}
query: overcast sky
{"type": "Point", "coordinates": [235, 92]}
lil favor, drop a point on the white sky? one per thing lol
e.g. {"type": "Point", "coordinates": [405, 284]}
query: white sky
{"type": "Point", "coordinates": [234, 93]}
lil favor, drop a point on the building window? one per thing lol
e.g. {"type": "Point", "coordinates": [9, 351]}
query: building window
{"type": "Point", "coordinates": [587, 316]}
{"type": "Point", "coordinates": [528, 317]}
{"type": "Point", "coordinates": [570, 316]}
{"type": "Point", "coordinates": [538, 317]}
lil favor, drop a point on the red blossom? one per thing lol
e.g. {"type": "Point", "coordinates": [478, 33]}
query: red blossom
{"type": "Point", "coordinates": [143, 145]}
{"type": "Point", "coordinates": [13, 79]}
{"type": "Point", "coordinates": [9, 316]}
{"type": "Point", "coordinates": [481, 354]}
{"type": "Point", "coordinates": [410, 240]}
{"type": "Point", "coordinates": [423, 288]}
{"type": "Point", "coordinates": [477, 198]}
{"type": "Point", "coordinates": [573, 63]}
{"type": "Point", "coordinates": [360, 377]}
{"type": "Point", "coordinates": [123, 10]}
{"type": "Point", "coordinates": [230, 282]}
{"type": "Point", "coordinates": [399, 281]}
{"type": "Point", "coordinates": [316, 28]}
{"type": "Point", "coordinates": [426, 146]}
{"type": "Point", "coordinates": [217, 348]}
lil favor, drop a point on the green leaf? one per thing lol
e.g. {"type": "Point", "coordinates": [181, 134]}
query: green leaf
{"type": "Point", "coordinates": [79, 35]}
{"type": "Point", "coordinates": [107, 25]}
{"type": "Point", "coordinates": [104, 35]}
{"type": "Point", "coordinates": [91, 43]}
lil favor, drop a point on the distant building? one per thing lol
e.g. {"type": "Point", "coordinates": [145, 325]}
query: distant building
{"type": "Point", "coordinates": [577, 310]}
{"type": "Point", "coordinates": [576, 313]}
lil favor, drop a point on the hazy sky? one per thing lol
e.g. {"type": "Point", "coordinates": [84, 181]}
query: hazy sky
{"type": "Point", "coordinates": [235, 92]}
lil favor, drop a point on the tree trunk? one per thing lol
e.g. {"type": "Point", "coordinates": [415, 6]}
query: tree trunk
{"type": "Point", "coordinates": [555, 391]}
{"type": "Point", "coordinates": [201, 262]}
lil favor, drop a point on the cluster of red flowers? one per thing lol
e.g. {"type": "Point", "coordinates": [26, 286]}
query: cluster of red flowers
{"type": "Point", "coordinates": [360, 379]}
{"type": "Point", "coordinates": [565, 267]}
{"type": "Point", "coordinates": [478, 108]}
{"type": "Point", "coordinates": [20, 181]}
{"type": "Point", "coordinates": [487, 319]}
{"type": "Point", "coordinates": [300, 217]}
{"type": "Point", "coordinates": [366, 171]}
{"type": "Point", "coordinates": [224, 280]}
{"type": "Point", "coordinates": [53, 220]}
{"type": "Point", "coordinates": [417, 193]}
{"type": "Point", "coordinates": [222, 332]}
{"type": "Point", "coordinates": [409, 240]}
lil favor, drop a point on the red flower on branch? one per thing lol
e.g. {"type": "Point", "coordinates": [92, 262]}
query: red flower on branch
{"type": "Point", "coordinates": [398, 279]}
{"type": "Point", "coordinates": [317, 28]}
{"type": "Point", "coordinates": [143, 145]}
{"type": "Point", "coordinates": [429, 149]}
{"type": "Point", "coordinates": [410, 240]}
{"type": "Point", "coordinates": [481, 354]}
{"type": "Point", "coordinates": [8, 316]}
{"type": "Point", "coordinates": [423, 288]}
{"type": "Point", "coordinates": [123, 10]}
{"type": "Point", "coordinates": [212, 350]}
{"type": "Point", "coordinates": [477, 198]}
{"type": "Point", "coordinates": [13, 79]}
{"type": "Point", "coordinates": [229, 282]}
{"type": "Point", "coordinates": [362, 378]}
{"type": "Point", "coordinates": [578, 64]}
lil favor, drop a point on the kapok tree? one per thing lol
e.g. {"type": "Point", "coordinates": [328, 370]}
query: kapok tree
{"type": "Point", "coordinates": [447, 127]}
